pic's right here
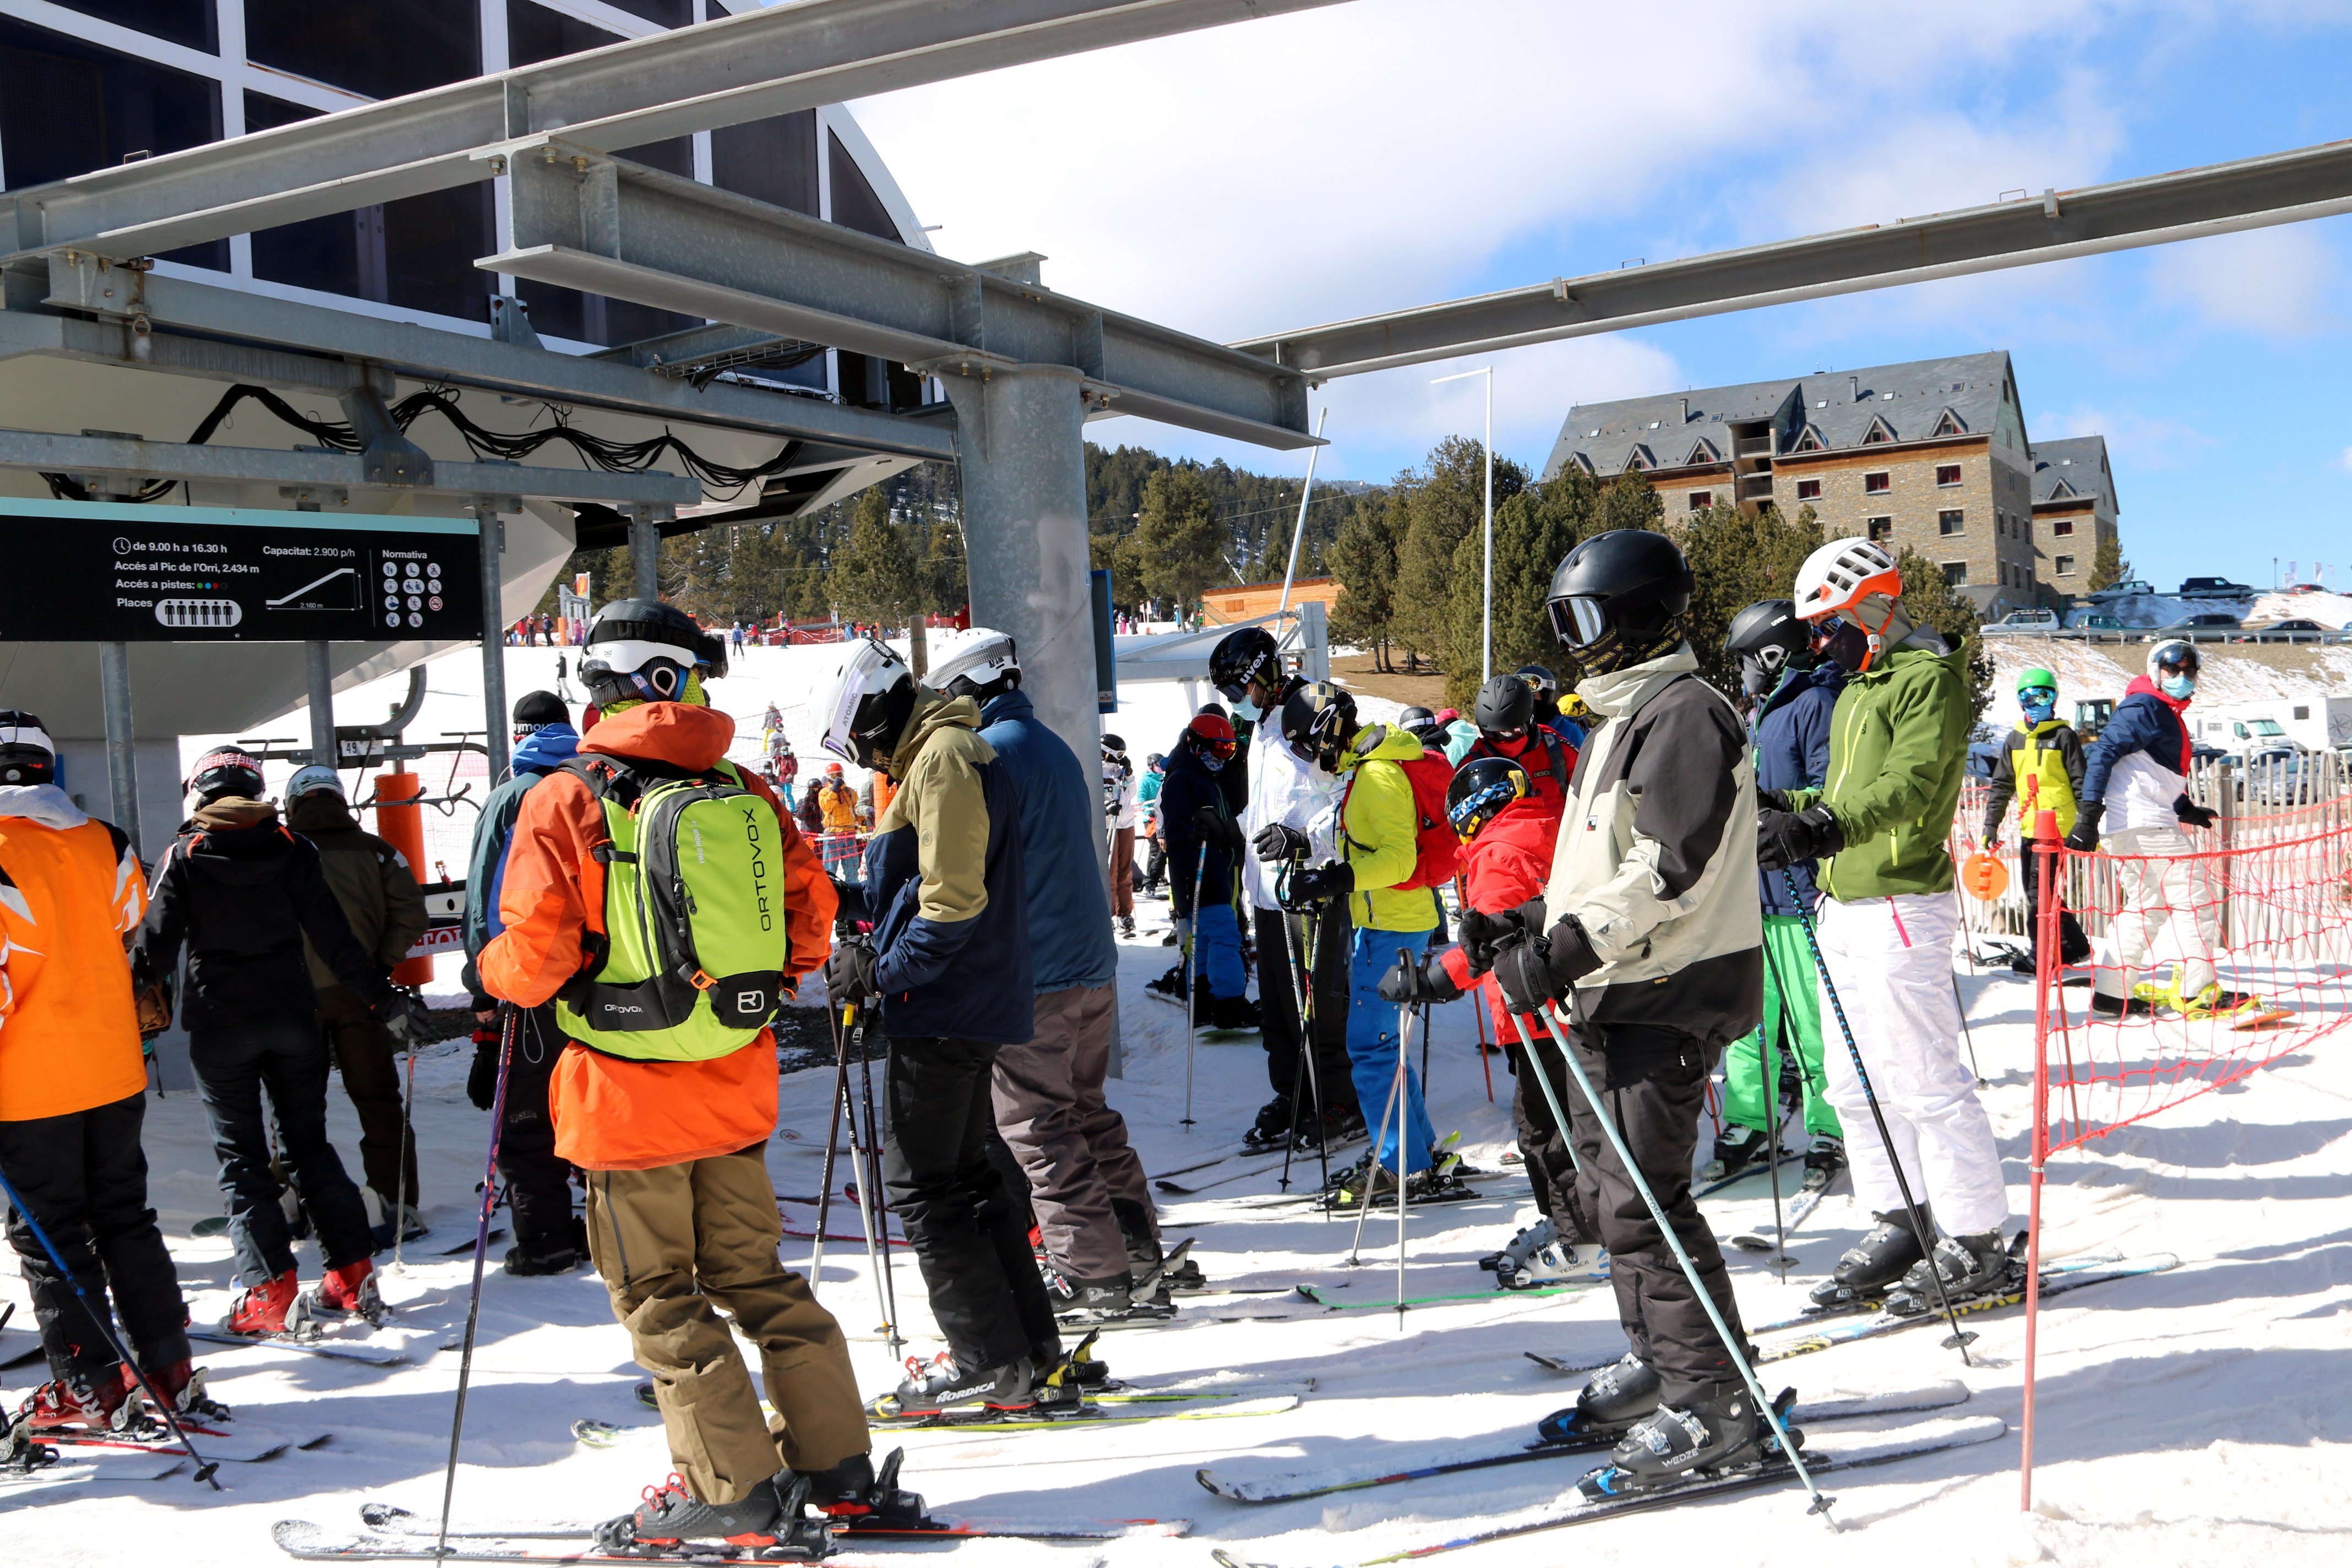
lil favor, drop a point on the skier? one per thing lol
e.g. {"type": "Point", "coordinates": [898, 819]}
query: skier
{"type": "Point", "coordinates": [1649, 927]}
{"type": "Point", "coordinates": [1459, 733]}
{"type": "Point", "coordinates": [950, 968]}
{"type": "Point", "coordinates": [1147, 805]}
{"type": "Point", "coordinates": [1898, 742]}
{"type": "Point", "coordinates": [666, 1101]}
{"type": "Point", "coordinates": [1377, 824]}
{"type": "Point", "coordinates": [1119, 816]}
{"type": "Point", "coordinates": [1550, 712]}
{"type": "Point", "coordinates": [1508, 841]}
{"type": "Point", "coordinates": [1288, 797]}
{"type": "Point", "coordinates": [1508, 727]}
{"type": "Point", "coordinates": [73, 1099]}
{"type": "Point", "coordinates": [2042, 771]}
{"type": "Point", "coordinates": [378, 891]}
{"type": "Point", "coordinates": [1203, 841]}
{"type": "Point", "coordinates": [1091, 1200]}
{"type": "Point", "coordinates": [838, 812]}
{"type": "Point", "coordinates": [2139, 766]}
{"type": "Point", "coordinates": [242, 892]}
{"type": "Point", "coordinates": [1794, 693]}
{"type": "Point", "coordinates": [1422, 725]}
{"type": "Point", "coordinates": [549, 1237]}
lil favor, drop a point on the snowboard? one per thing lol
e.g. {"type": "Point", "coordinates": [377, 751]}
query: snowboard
{"type": "Point", "coordinates": [1294, 1485]}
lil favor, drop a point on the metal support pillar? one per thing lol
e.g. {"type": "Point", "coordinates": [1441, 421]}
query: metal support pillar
{"type": "Point", "coordinates": [321, 674]}
{"type": "Point", "coordinates": [645, 555]}
{"type": "Point", "coordinates": [122, 763]}
{"type": "Point", "coordinates": [494, 640]}
{"type": "Point", "coordinates": [1021, 456]}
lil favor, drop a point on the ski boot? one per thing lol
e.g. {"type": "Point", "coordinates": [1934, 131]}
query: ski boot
{"type": "Point", "coordinates": [182, 1384]}
{"type": "Point", "coordinates": [1337, 1125]}
{"type": "Point", "coordinates": [267, 1308]}
{"type": "Point", "coordinates": [1276, 1123]}
{"type": "Point", "coordinates": [2106, 1006]}
{"type": "Point", "coordinates": [1127, 927]}
{"type": "Point", "coordinates": [350, 1290]}
{"type": "Point", "coordinates": [939, 1387]}
{"type": "Point", "coordinates": [1823, 1160]}
{"type": "Point", "coordinates": [1086, 1304]}
{"type": "Point", "coordinates": [1169, 987]}
{"type": "Point", "coordinates": [525, 1264]}
{"type": "Point", "coordinates": [852, 1495]}
{"type": "Point", "coordinates": [771, 1515]}
{"type": "Point", "coordinates": [1612, 1400]}
{"type": "Point", "coordinates": [1876, 1262]}
{"type": "Point", "coordinates": [1968, 1265]}
{"type": "Point", "coordinates": [1721, 1431]}
{"type": "Point", "coordinates": [1524, 1244]}
{"type": "Point", "coordinates": [1736, 1149]}
{"type": "Point", "coordinates": [19, 1455]}
{"type": "Point", "coordinates": [1561, 1263]}
{"type": "Point", "coordinates": [1230, 1013]}
{"type": "Point", "coordinates": [78, 1406]}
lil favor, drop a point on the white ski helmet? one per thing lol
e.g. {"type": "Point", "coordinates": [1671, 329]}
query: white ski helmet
{"type": "Point", "coordinates": [28, 755]}
{"type": "Point", "coordinates": [316, 776]}
{"type": "Point", "coordinates": [1841, 574]}
{"type": "Point", "coordinates": [982, 661]}
{"type": "Point", "coordinates": [642, 650]}
{"type": "Point", "coordinates": [2173, 656]}
{"type": "Point", "coordinates": [872, 693]}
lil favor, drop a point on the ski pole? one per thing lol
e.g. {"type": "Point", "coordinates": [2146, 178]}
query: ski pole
{"type": "Point", "coordinates": [846, 1108]}
{"type": "Point", "coordinates": [1821, 1505]}
{"type": "Point", "coordinates": [1310, 945]}
{"type": "Point", "coordinates": [406, 1154]}
{"type": "Point", "coordinates": [205, 1469]}
{"type": "Point", "coordinates": [1372, 1170]}
{"type": "Point", "coordinates": [1968, 1034]}
{"type": "Point", "coordinates": [1779, 1261]}
{"type": "Point", "coordinates": [1404, 1159]}
{"type": "Point", "coordinates": [1902, 1184]}
{"type": "Point", "coordinates": [1302, 1042]}
{"type": "Point", "coordinates": [1192, 981]}
{"type": "Point", "coordinates": [874, 1140]}
{"type": "Point", "coordinates": [509, 1025]}
{"type": "Point", "coordinates": [832, 1141]}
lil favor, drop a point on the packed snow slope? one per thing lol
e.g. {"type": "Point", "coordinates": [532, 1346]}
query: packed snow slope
{"type": "Point", "coordinates": [2192, 1418]}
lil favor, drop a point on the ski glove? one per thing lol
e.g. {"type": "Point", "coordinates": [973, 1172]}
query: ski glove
{"type": "Point", "coordinates": [1783, 838]}
{"type": "Point", "coordinates": [2085, 839]}
{"type": "Point", "coordinates": [482, 1078]}
{"type": "Point", "coordinates": [1425, 982]}
{"type": "Point", "coordinates": [405, 1017]}
{"type": "Point", "coordinates": [1275, 841]}
{"type": "Point", "coordinates": [1215, 827]}
{"type": "Point", "coordinates": [849, 972]}
{"type": "Point", "coordinates": [1534, 970]}
{"type": "Point", "coordinates": [1321, 883]}
{"type": "Point", "coordinates": [1480, 933]}
{"type": "Point", "coordinates": [2192, 815]}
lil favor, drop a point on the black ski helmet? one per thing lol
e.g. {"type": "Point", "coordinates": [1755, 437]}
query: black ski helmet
{"type": "Point", "coordinates": [1113, 743]}
{"type": "Point", "coordinates": [1245, 655]}
{"type": "Point", "coordinates": [224, 772]}
{"type": "Point", "coordinates": [1422, 724]}
{"type": "Point", "coordinates": [1481, 789]}
{"type": "Point", "coordinates": [1766, 638]}
{"type": "Point", "coordinates": [645, 650]}
{"type": "Point", "coordinates": [28, 755]}
{"type": "Point", "coordinates": [1618, 595]}
{"type": "Point", "coordinates": [1505, 706]}
{"type": "Point", "coordinates": [1319, 720]}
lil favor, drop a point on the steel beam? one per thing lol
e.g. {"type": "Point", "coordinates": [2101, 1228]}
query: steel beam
{"type": "Point", "coordinates": [587, 221]}
{"type": "Point", "coordinates": [46, 453]}
{"type": "Point", "coordinates": [773, 60]}
{"type": "Point", "coordinates": [80, 283]}
{"type": "Point", "coordinates": [2219, 198]}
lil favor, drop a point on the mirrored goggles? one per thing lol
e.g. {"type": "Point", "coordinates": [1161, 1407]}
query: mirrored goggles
{"type": "Point", "coordinates": [1578, 623]}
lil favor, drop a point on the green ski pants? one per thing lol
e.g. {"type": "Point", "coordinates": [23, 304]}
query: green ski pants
{"type": "Point", "coordinates": [1793, 1017]}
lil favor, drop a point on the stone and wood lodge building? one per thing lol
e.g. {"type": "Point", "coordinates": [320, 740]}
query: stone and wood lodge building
{"type": "Point", "coordinates": [1931, 454]}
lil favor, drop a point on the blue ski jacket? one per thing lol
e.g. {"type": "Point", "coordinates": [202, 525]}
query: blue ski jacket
{"type": "Point", "coordinates": [1070, 911]}
{"type": "Point", "coordinates": [1791, 731]}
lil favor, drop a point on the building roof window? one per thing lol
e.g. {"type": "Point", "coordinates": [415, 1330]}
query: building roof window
{"type": "Point", "coordinates": [1879, 434]}
{"type": "Point", "coordinates": [1949, 424]}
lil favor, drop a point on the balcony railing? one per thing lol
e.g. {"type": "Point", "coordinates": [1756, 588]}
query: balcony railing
{"type": "Point", "coordinates": [1752, 446]}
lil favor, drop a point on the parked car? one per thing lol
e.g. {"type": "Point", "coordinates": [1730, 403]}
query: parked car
{"type": "Point", "coordinates": [2129, 588]}
{"type": "Point", "coordinates": [2288, 630]}
{"type": "Point", "coordinates": [2213, 588]}
{"type": "Point", "coordinates": [2204, 622]}
{"type": "Point", "coordinates": [2023, 622]}
{"type": "Point", "coordinates": [2093, 621]}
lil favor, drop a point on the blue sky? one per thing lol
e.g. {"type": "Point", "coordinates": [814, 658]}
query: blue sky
{"type": "Point", "coordinates": [1386, 154]}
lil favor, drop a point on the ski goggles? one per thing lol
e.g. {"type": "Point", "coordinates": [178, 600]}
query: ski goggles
{"type": "Point", "coordinates": [1578, 623]}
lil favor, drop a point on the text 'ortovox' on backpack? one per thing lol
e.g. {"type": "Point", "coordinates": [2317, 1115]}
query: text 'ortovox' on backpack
{"type": "Point", "coordinates": [691, 961]}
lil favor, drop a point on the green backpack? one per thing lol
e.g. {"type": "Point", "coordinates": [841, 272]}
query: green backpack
{"type": "Point", "coordinates": [691, 963]}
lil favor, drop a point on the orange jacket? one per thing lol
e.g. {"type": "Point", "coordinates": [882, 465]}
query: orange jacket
{"type": "Point", "coordinates": [68, 890]}
{"type": "Point", "coordinates": [612, 1114]}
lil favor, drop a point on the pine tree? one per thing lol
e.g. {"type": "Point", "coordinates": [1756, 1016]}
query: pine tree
{"type": "Point", "coordinates": [875, 575]}
{"type": "Point", "coordinates": [1534, 532]}
{"type": "Point", "coordinates": [1179, 547]}
{"type": "Point", "coordinates": [2108, 566]}
{"type": "Point", "coordinates": [1364, 559]}
{"type": "Point", "coordinates": [1737, 561]}
{"type": "Point", "coordinates": [1928, 599]}
{"type": "Point", "coordinates": [1444, 503]}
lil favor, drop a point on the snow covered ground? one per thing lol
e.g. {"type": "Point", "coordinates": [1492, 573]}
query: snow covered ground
{"type": "Point", "coordinates": [2197, 1416]}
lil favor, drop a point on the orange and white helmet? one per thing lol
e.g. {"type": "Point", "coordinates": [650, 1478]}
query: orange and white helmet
{"type": "Point", "coordinates": [1841, 574]}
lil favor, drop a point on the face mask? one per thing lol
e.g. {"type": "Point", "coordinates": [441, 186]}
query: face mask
{"type": "Point", "coordinates": [2179, 687]}
{"type": "Point", "coordinates": [1755, 680]}
{"type": "Point", "coordinates": [1844, 642]}
{"type": "Point", "coordinates": [1244, 708]}
{"type": "Point", "coordinates": [2038, 712]}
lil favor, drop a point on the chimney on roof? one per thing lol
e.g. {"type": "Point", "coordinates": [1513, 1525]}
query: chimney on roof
{"type": "Point", "coordinates": [1853, 385]}
{"type": "Point", "coordinates": [1685, 403]}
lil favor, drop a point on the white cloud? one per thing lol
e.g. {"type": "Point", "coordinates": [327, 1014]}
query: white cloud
{"type": "Point", "coordinates": [2276, 282]}
{"type": "Point", "coordinates": [2135, 441]}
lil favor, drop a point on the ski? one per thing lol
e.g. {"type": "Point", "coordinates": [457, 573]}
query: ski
{"type": "Point", "coordinates": [302, 1540]}
{"type": "Point", "coordinates": [17, 1348]}
{"type": "Point", "coordinates": [1863, 1453]}
{"type": "Point", "coordinates": [14, 1480]}
{"type": "Point", "coordinates": [1708, 1189]}
{"type": "Point", "coordinates": [1882, 1322]}
{"type": "Point", "coordinates": [1293, 1486]}
{"type": "Point", "coordinates": [1799, 1211]}
{"type": "Point", "coordinates": [236, 1445]}
{"type": "Point", "coordinates": [1179, 1190]}
{"type": "Point", "coordinates": [597, 1434]}
{"type": "Point", "coordinates": [386, 1518]}
{"type": "Point", "coordinates": [342, 1350]}
{"type": "Point", "coordinates": [1117, 1392]}
{"type": "Point", "coordinates": [1315, 1294]}
{"type": "Point", "coordinates": [466, 1248]}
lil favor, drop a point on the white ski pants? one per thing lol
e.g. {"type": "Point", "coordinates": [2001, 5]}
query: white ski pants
{"type": "Point", "coordinates": [2167, 912]}
{"type": "Point", "coordinates": [1891, 960]}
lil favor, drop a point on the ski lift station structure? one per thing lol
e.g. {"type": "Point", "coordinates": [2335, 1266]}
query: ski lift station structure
{"type": "Point", "coordinates": [650, 215]}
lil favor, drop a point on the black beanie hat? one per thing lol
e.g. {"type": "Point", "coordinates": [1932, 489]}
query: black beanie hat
{"type": "Point", "coordinates": [533, 709]}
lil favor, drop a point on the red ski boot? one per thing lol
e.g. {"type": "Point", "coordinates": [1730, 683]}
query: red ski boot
{"type": "Point", "coordinates": [352, 1288]}
{"type": "Point", "coordinates": [263, 1308]}
{"type": "Point", "coordinates": [75, 1407]}
{"type": "Point", "coordinates": [181, 1384]}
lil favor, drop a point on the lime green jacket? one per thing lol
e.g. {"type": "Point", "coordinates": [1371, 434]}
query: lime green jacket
{"type": "Point", "coordinates": [1378, 831]}
{"type": "Point", "coordinates": [1899, 746]}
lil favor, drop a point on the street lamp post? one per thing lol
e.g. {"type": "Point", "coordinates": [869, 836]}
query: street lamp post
{"type": "Point", "coordinates": [1487, 634]}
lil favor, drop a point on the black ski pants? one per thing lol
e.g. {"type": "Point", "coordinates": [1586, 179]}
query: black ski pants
{"type": "Point", "coordinates": [2073, 946]}
{"type": "Point", "coordinates": [84, 1177]}
{"type": "Point", "coordinates": [539, 1185]}
{"type": "Point", "coordinates": [1279, 936]}
{"type": "Point", "coordinates": [285, 1059]}
{"type": "Point", "coordinates": [969, 1233]}
{"type": "Point", "coordinates": [371, 1070]}
{"type": "Point", "coordinates": [1552, 1168]}
{"type": "Point", "coordinates": [1652, 1088]}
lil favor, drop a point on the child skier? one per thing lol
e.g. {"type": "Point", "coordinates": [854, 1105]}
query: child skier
{"type": "Point", "coordinates": [1203, 840]}
{"type": "Point", "coordinates": [2041, 769]}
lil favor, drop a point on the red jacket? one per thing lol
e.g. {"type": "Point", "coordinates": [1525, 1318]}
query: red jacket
{"type": "Point", "coordinates": [1534, 753]}
{"type": "Point", "coordinates": [1507, 864]}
